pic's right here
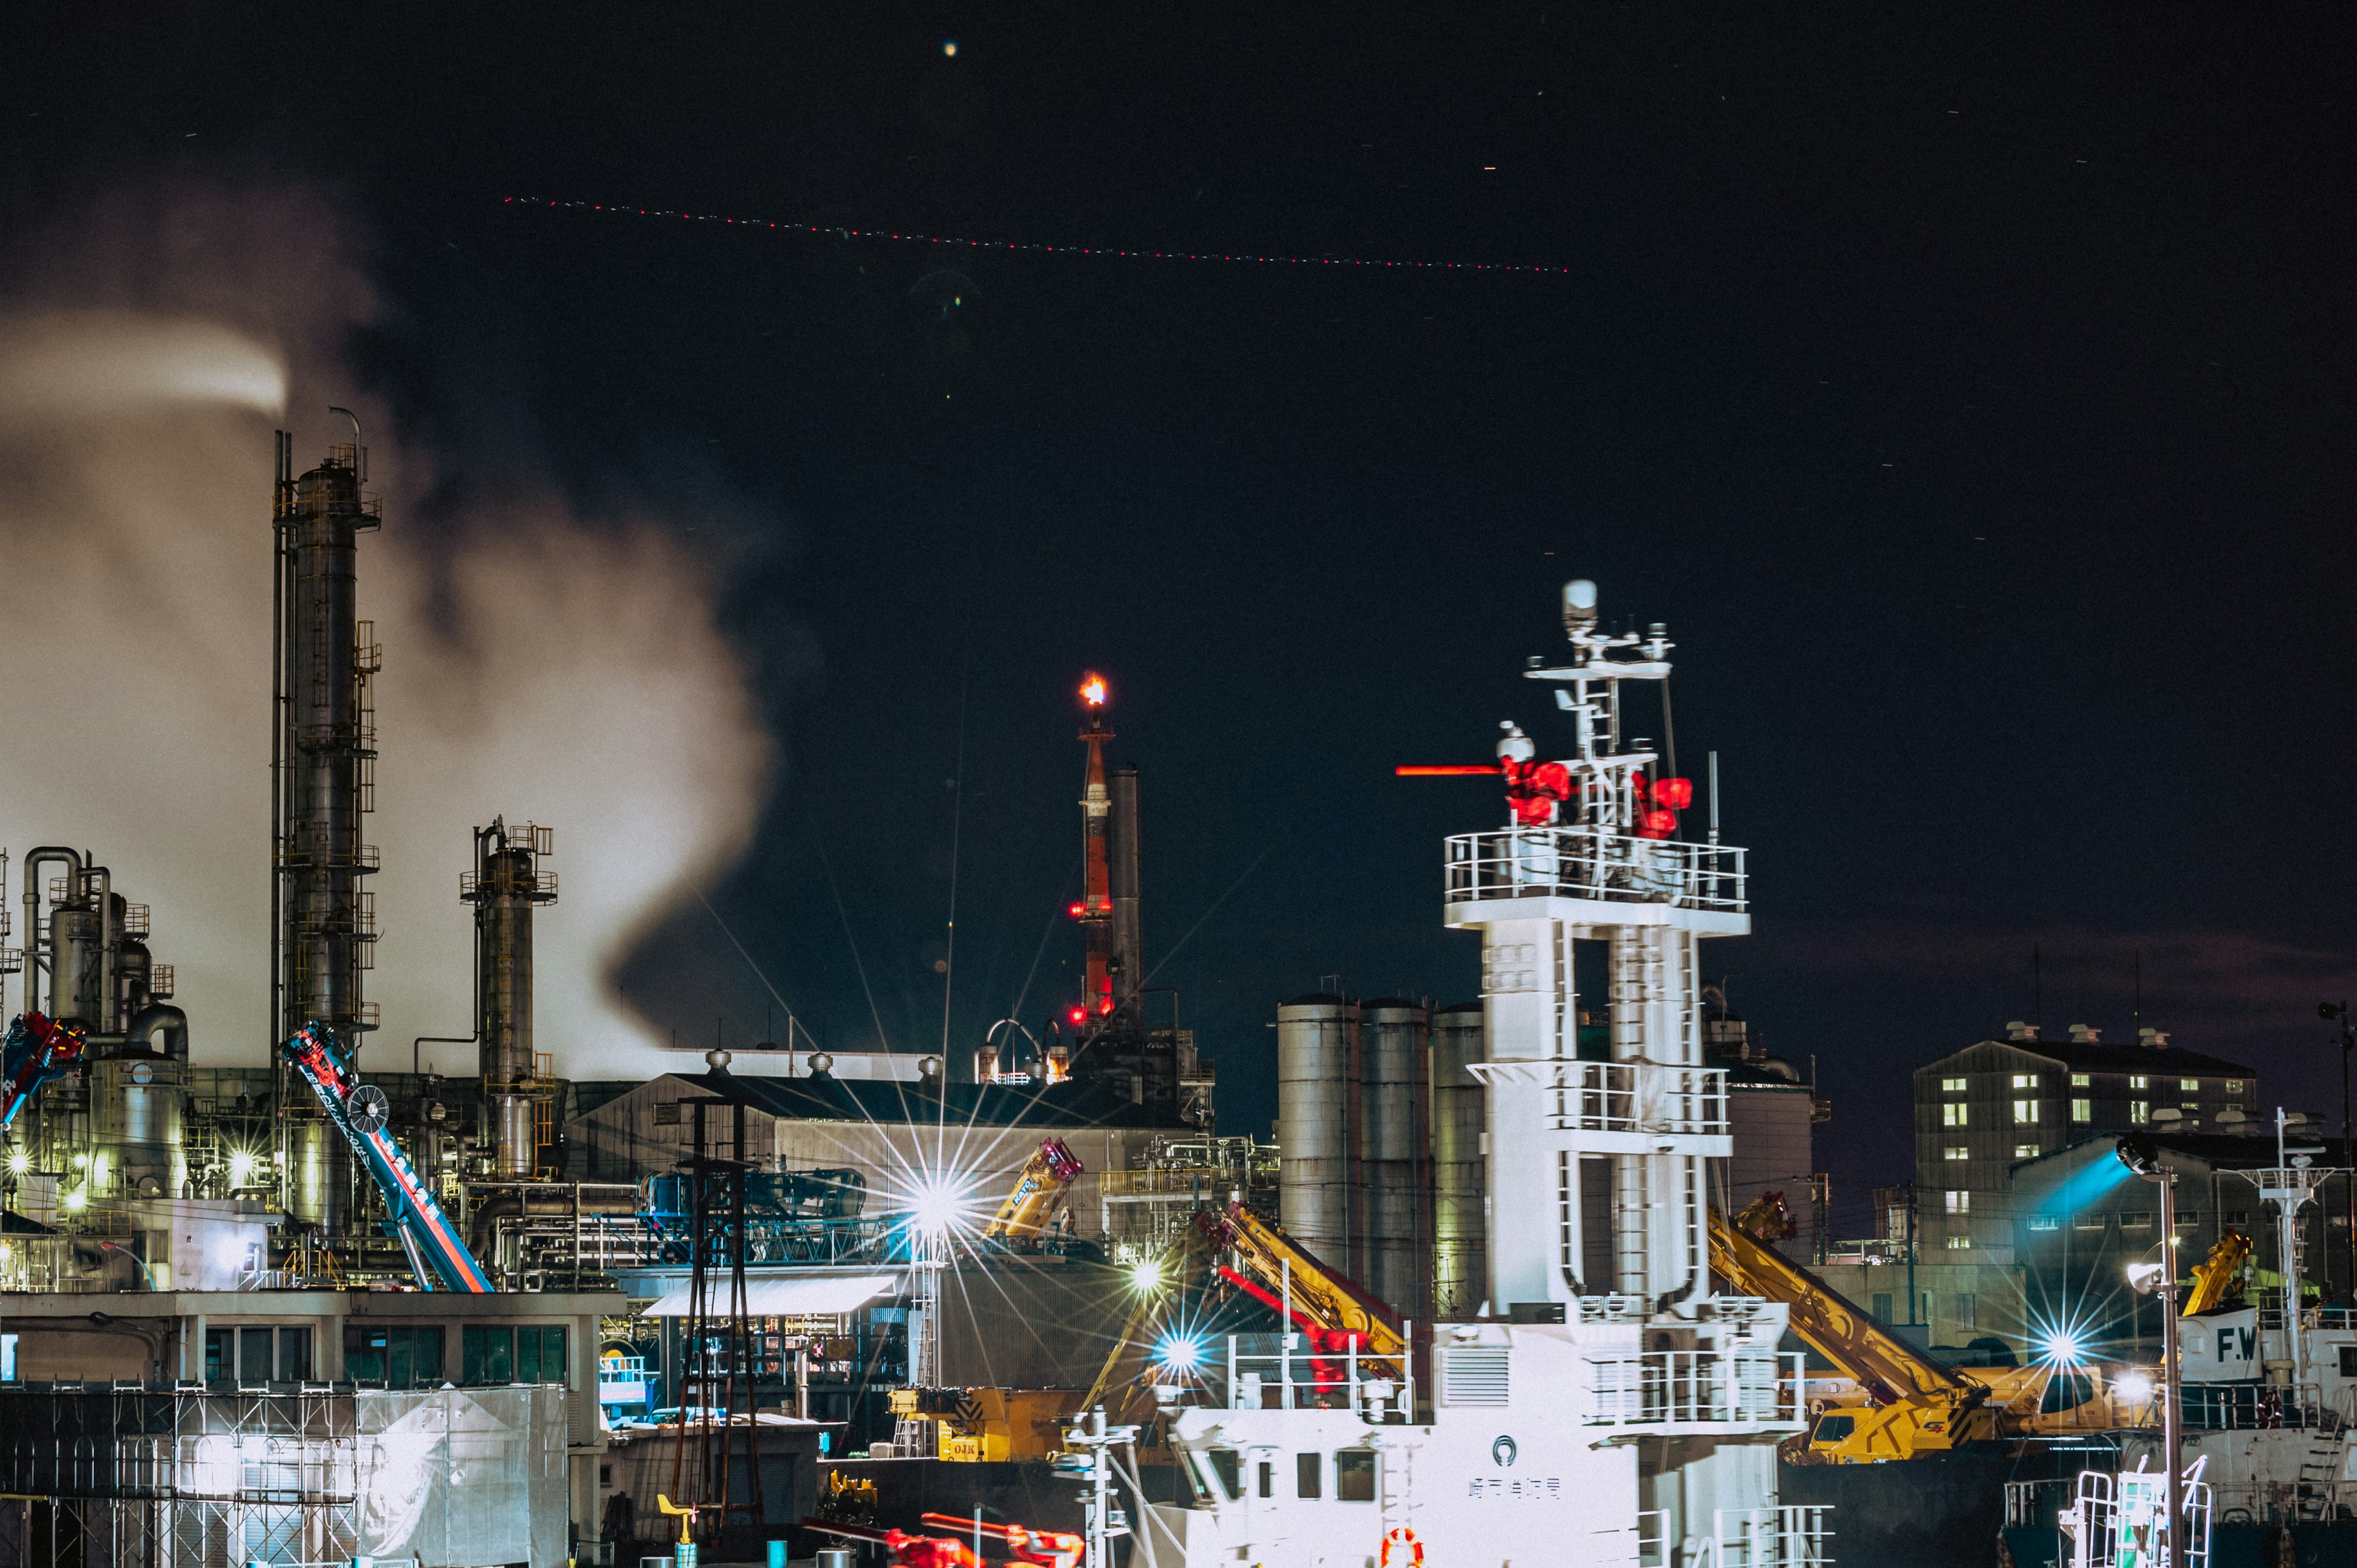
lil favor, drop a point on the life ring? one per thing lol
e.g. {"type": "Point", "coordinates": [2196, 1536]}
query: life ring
{"type": "Point", "coordinates": [1402, 1550]}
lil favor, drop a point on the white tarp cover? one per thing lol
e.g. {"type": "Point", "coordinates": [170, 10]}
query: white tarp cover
{"type": "Point", "coordinates": [806, 1295]}
{"type": "Point", "coordinates": [455, 1477]}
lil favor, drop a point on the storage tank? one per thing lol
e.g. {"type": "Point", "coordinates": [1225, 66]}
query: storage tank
{"type": "Point", "coordinates": [1317, 1113]}
{"type": "Point", "coordinates": [1460, 1260]}
{"type": "Point", "coordinates": [1398, 1233]}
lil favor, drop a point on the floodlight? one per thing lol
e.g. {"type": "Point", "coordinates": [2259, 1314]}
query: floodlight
{"type": "Point", "coordinates": [2136, 1387]}
{"type": "Point", "coordinates": [1180, 1352]}
{"type": "Point", "coordinates": [2060, 1346]}
{"type": "Point", "coordinates": [933, 1209]}
{"type": "Point", "coordinates": [2144, 1278]}
{"type": "Point", "coordinates": [19, 1162]}
{"type": "Point", "coordinates": [2139, 1153]}
{"type": "Point", "coordinates": [1144, 1275]}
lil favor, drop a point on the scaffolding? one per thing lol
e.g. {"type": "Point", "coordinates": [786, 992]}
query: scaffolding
{"type": "Point", "coordinates": [216, 1476]}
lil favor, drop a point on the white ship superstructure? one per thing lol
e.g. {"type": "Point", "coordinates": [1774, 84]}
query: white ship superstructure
{"type": "Point", "coordinates": [1605, 1406]}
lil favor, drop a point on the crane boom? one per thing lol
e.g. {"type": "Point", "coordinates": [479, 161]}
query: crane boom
{"type": "Point", "coordinates": [1038, 1197]}
{"type": "Point", "coordinates": [2215, 1275]}
{"type": "Point", "coordinates": [358, 1109]}
{"type": "Point", "coordinates": [1916, 1405]}
{"type": "Point", "coordinates": [1323, 1294]}
{"type": "Point", "coordinates": [38, 1048]}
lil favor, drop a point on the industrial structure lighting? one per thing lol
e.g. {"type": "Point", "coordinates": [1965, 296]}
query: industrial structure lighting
{"type": "Point", "coordinates": [1181, 1352]}
{"type": "Point", "coordinates": [1144, 1275]}
{"type": "Point", "coordinates": [18, 1162]}
{"type": "Point", "coordinates": [933, 1209]}
{"type": "Point", "coordinates": [77, 1199]}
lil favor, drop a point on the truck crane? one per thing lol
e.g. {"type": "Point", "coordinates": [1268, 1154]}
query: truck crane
{"type": "Point", "coordinates": [1035, 1202]}
{"type": "Point", "coordinates": [1912, 1403]}
{"type": "Point", "coordinates": [1915, 1404]}
{"type": "Point", "coordinates": [38, 1048]}
{"type": "Point", "coordinates": [359, 1111]}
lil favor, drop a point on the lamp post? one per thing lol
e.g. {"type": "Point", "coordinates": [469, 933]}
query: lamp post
{"type": "Point", "coordinates": [2140, 1155]}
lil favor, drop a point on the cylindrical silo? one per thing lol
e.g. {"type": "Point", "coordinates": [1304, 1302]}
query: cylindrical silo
{"type": "Point", "coordinates": [1317, 1113]}
{"type": "Point", "coordinates": [1391, 1152]}
{"type": "Point", "coordinates": [1461, 1258]}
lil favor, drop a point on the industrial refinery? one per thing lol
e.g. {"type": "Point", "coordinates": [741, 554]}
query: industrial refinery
{"type": "Point", "coordinates": [1516, 1280]}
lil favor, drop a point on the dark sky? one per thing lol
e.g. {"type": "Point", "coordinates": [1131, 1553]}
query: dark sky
{"type": "Point", "coordinates": [1968, 389]}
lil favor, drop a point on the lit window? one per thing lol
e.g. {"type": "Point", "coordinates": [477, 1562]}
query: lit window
{"type": "Point", "coordinates": [2044, 1222]}
{"type": "Point", "coordinates": [1959, 1201]}
{"type": "Point", "coordinates": [2025, 1151]}
{"type": "Point", "coordinates": [1956, 1152]}
{"type": "Point", "coordinates": [1952, 1086]}
{"type": "Point", "coordinates": [2140, 1112]}
{"type": "Point", "coordinates": [2025, 1081]}
{"type": "Point", "coordinates": [2233, 1086]}
{"type": "Point", "coordinates": [2189, 1085]}
{"type": "Point", "coordinates": [2079, 1080]}
{"type": "Point", "coordinates": [2137, 1081]}
{"type": "Point", "coordinates": [2083, 1110]}
{"type": "Point", "coordinates": [2025, 1112]}
{"type": "Point", "coordinates": [1952, 1115]}
{"type": "Point", "coordinates": [1960, 1243]}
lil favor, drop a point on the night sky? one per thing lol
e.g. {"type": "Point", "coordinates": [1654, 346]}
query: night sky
{"type": "Point", "coordinates": [1969, 393]}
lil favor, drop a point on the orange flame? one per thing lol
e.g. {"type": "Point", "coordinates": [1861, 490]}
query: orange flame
{"type": "Point", "coordinates": [1093, 689]}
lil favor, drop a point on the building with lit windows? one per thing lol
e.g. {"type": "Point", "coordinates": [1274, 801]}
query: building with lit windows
{"type": "Point", "coordinates": [1985, 1109]}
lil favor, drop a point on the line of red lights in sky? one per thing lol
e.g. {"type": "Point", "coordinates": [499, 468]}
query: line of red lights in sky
{"type": "Point", "coordinates": [840, 231]}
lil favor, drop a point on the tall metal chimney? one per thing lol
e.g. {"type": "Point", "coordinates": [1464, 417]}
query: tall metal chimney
{"type": "Point", "coordinates": [505, 885]}
{"type": "Point", "coordinates": [1128, 961]}
{"type": "Point", "coordinates": [1096, 895]}
{"type": "Point", "coordinates": [322, 768]}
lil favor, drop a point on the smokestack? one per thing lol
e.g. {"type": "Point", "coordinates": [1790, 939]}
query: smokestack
{"type": "Point", "coordinates": [1128, 960]}
{"type": "Point", "coordinates": [1096, 899]}
{"type": "Point", "coordinates": [506, 883]}
{"type": "Point", "coordinates": [323, 781]}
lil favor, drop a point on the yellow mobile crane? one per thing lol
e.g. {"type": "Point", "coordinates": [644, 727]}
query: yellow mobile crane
{"type": "Point", "coordinates": [1914, 1405]}
{"type": "Point", "coordinates": [2214, 1276]}
{"type": "Point", "coordinates": [1035, 1202]}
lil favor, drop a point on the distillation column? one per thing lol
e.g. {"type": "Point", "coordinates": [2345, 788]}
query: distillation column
{"type": "Point", "coordinates": [323, 773]}
{"type": "Point", "coordinates": [506, 885]}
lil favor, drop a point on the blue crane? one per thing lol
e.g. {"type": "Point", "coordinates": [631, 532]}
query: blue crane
{"type": "Point", "coordinates": [360, 1111]}
{"type": "Point", "coordinates": [38, 1048]}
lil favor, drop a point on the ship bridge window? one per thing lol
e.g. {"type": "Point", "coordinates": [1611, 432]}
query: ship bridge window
{"type": "Point", "coordinates": [1228, 1466]}
{"type": "Point", "coordinates": [1268, 1478]}
{"type": "Point", "coordinates": [2349, 1360]}
{"type": "Point", "coordinates": [1354, 1475]}
{"type": "Point", "coordinates": [1308, 1475]}
{"type": "Point", "coordinates": [1833, 1427]}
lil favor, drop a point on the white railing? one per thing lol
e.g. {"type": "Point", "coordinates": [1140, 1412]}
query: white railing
{"type": "Point", "coordinates": [1794, 1536]}
{"type": "Point", "coordinates": [1733, 1390]}
{"type": "Point", "coordinates": [1579, 863]}
{"type": "Point", "coordinates": [1619, 1097]}
{"type": "Point", "coordinates": [1380, 1387]}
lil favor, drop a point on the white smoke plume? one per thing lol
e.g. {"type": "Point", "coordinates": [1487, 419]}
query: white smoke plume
{"type": "Point", "coordinates": [537, 665]}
